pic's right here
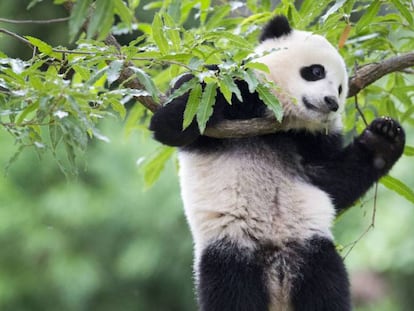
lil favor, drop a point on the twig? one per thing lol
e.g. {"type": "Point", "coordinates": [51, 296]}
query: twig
{"type": "Point", "coordinates": [370, 226]}
{"type": "Point", "coordinates": [31, 21]}
{"type": "Point", "coordinates": [363, 77]}
{"type": "Point", "coordinates": [16, 36]}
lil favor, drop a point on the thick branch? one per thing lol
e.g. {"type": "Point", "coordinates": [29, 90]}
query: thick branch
{"type": "Point", "coordinates": [370, 73]}
{"type": "Point", "coordinates": [363, 77]}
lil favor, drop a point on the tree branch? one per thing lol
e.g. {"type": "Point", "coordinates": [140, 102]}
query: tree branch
{"type": "Point", "coordinates": [370, 73]}
{"type": "Point", "coordinates": [363, 77]}
{"type": "Point", "coordinates": [31, 21]}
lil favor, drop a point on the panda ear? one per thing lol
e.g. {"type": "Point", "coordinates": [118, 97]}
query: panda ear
{"type": "Point", "coordinates": [277, 27]}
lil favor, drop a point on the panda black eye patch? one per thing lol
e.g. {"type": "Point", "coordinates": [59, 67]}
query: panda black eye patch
{"type": "Point", "coordinates": [313, 72]}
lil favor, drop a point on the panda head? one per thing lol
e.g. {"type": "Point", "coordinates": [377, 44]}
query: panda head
{"type": "Point", "coordinates": [310, 75]}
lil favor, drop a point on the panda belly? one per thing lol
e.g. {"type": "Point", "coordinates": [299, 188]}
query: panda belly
{"type": "Point", "coordinates": [252, 199]}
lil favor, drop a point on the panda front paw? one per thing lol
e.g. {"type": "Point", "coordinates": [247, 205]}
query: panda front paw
{"type": "Point", "coordinates": [385, 139]}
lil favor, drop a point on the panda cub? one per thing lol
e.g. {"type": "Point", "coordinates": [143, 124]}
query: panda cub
{"type": "Point", "coordinates": [261, 208]}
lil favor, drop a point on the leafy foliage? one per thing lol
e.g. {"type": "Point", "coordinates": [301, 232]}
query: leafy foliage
{"type": "Point", "coordinates": [94, 243]}
{"type": "Point", "coordinates": [56, 98]}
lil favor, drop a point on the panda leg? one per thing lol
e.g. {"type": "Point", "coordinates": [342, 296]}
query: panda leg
{"type": "Point", "coordinates": [322, 283]}
{"type": "Point", "coordinates": [230, 279]}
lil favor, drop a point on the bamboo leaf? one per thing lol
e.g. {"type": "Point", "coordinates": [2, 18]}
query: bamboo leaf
{"type": "Point", "coordinates": [204, 6]}
{"type": "Point", "coordinates": [184, 88]}
{"type": "Point", "coordinates": [172, 32]}
{"type": "Point", "coordinates": [333, 9]}
{"type": "Point", "coordinates": [399, 187]}
{"type": "Point", "coordinates": [78, 17]}
{"type": "Point", "coordinates": [101, 18]}
{"type": "Point", "coordinates": [147, 82]}
{"type": "Point", "coordinates": [225, 90]}
{"type": "Point", "coordinates": [153, 166]}
{"type": "Point", "coordinates": [192, 105]}
{"type": "Point", "coordinates": [218, 16]}
{"type": "Point", "coordinates": [158, 34]}
{"type": "Point", "coordinates": [270, 100]}
{"type": "Point", "coordinates": [404, 11]}
{"type": "Point", "coordinates": [125, 14]}
{"type": "Point", "coordinates": [30, 108]}
{"type": "Point", "coordinates": [251, 79]}
{"type": "Point", "coordinates": [205, 109]}
{"type": "Point", "coordinates": [114, 70]}
{"type": "Point", "coordinates": [257, 66]}
{"type": "Point", "coordinates": [43, 47]}
{"type": "Point", "coordinates": [409, 151]}
{"type": "Point", "coordinates": [369, 15]}
{"type": "Point", "coordinates": [228, 81]}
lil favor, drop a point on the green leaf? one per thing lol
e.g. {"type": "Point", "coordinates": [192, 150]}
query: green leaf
{"type": "Point", "coordinates": [404, 11]}
{"type": "Point", "coordinates": [250, 77]}
{"type": "Point", "coordinates": [205, 109]}
{"type": "Point", "coordinates": [218, 16]}
{"type": "Point", "coordinates": [409, 151]}
{"type": "Point", "coordinates": [172, 32]}
{"type": "Point", "coordinates": [184, 88]}
{"type": "Point", "coordinates": [101, 18]}
{"type": "Point", "coordinates": [235, 40]}
{"type": "Point", "coordinates": [153, 166]}
{"type": "Point", "coordinates": [125, 14]}
{"type": "Point", "coordinates": [114, 70]}
{"type": "Point", "coordinates": [192, 105]}
{"type": "Point", "coordinates": [399, 187]}
{"type": "Point", "coordinates": [158, 34]}
{"type": "Point", "coordinates": [270, 100]}
{"type": "Point", "coordinates": [30, 108]}
{"type": "Point", "coordinates": [43, 47]}
{"type": "Point", "coordinates": [118, 107]}
{"type": "Point", "coordinates": [78, 17]}
{"type": "Point", "coordinates": [204, 7]}
{"type": "Point", "coordinates": [147, 82]}
{"type": "Point", "coordinates": [225, 90]}
{"type": "Point", "coordinates": [228, 81]}
{"type": "Point", "coordinates": [174, 9]}
{"type": "Point", "coordinates": [369, 15]}
{"type": "Point", "coordinates": [339, 4]}
{"type": "Point", "coordinates": [257, 66]}
{"type": "Point", "coordinates": [133, 118]}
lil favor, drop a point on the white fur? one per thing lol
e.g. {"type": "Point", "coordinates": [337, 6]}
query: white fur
{"type": "Point", "coordinates": [285, 56]}
{"type": "Point", "coordinates": [249, 197]}
{"type": "Point", "coordinates": [253, 194]}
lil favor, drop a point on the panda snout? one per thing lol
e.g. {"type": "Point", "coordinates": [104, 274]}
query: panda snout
{"type": "Point", "coordinates": [331, 103]}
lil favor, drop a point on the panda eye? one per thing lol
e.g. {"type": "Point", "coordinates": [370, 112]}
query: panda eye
{"type": "Point", "coordinates": [313, 72]}
{"type": "Point", "coordinates": [340, 90]}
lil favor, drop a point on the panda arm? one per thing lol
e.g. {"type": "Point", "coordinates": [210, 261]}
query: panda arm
{"type": "Point", "coordinates": [167, 122]}
{"type": "Point", "coordinates": [349, 172]}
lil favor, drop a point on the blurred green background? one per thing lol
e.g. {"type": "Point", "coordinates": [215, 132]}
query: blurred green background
{"type": "Point", "coordinates": [101, 241]}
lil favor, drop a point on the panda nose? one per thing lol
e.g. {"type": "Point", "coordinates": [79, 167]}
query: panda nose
{"type": "Point", "coordinates": [331, 102]}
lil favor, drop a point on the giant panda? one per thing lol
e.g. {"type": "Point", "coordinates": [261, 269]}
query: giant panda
{"type": "Point", "coordinates": [261, 208]}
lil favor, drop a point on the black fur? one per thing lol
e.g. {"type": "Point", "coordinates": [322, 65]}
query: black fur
{"type": "Point", "coordinates": [277, 27]}
{"type": "Point", "coordinates": [322, 282]}
{"type": "Point", "coordinates": [231, 279]}
{"type": "Point", "coordinates": [167, 123]}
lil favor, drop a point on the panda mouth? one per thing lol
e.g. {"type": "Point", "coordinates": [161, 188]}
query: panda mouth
{"type": "Point", "coordinates": [321, 109]}
{"type": "Point", "coordinates": [309, 105]}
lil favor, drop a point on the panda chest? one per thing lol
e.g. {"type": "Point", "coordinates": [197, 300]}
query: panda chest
{"type": "Point", "coordinates": [260, 195]}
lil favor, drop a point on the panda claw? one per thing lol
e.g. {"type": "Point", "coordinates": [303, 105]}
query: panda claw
{"type": "Point", "coordinates": [386, 127]}
{"type": "Point", "coordinates": [385, 138]}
